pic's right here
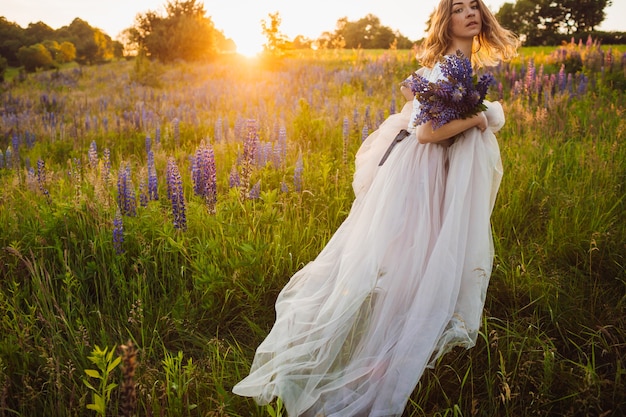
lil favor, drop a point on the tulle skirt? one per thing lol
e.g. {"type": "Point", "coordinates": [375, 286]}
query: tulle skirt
{"type": "Point", "coordinates": [402, 280]}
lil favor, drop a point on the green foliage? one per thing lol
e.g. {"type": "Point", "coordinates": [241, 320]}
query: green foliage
{"type": "Point", "coordinates": [184, 33]}
{"type": "Point", "coordinates": [35, 57]}
{"type": "Point", "coordinates": [178, 377]}
{"type": "Point", "coordinates": [105, 364]}
{"type": "Point", "coordinates": [548, 22]}
{"type": "Point", "coordinates": [366, 33]}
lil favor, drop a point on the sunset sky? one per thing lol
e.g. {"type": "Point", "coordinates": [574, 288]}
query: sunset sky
{"type": "Point", "coordinates": [240, 19]}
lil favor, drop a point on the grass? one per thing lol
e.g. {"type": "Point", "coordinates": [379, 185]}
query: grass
{"type": "Point", "coordinates": [197, 302]}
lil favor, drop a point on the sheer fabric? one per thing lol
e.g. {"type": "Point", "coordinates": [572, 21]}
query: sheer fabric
{"type": "Point", "coordinates": [401, 281]}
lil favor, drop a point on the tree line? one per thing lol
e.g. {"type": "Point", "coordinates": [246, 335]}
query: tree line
{"type": "Point", "coordinates": [185, 32]}
{"type": "Point", "coordinates": [40, 46]}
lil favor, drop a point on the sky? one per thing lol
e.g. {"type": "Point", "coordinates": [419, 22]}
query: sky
{"type": "Point", "coordinates": [241, 19]}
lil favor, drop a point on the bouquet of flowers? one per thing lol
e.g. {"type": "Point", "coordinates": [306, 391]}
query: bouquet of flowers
{"type": "Point", "coordinates": [459, 96]}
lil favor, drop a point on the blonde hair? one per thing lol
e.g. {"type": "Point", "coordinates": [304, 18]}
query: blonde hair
{"type": "Point", "coordinates": [494, 43]}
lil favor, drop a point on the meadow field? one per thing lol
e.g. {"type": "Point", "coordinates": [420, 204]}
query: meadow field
{"type": "Point", "coordinates": [150, 214]}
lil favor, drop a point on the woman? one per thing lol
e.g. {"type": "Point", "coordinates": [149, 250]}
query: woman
{"type": "Point", "coordinates": [404, 277]}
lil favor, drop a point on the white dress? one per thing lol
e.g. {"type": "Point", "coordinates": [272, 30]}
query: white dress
{"type": "Point", "coordinates": [402, 280]}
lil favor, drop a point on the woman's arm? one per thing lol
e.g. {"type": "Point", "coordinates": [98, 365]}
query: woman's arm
{"type": "Point", "coordinates": [426, 134]}
{"type": "Point", "coordinates": [405, 90]}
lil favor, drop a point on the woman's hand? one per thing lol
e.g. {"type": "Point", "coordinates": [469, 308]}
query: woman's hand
{"type": "Point", "coordinates": [426, 134]}
{"type": "Point", "coordinates": [482, 121]}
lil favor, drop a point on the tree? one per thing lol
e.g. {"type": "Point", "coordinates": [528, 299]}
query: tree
{"type": "Point", "coordinates": [35, 57]}
{"type": "Point", "coordinates": [183, 33]}
{"type": "Point", "coordinates": [66, 53]}
{"type": "Point", "coordinates": [277, 43]}
{"type": "Point", "coordinates": [366, 33]}
{"type": "Point", "coordinates": [584, 15]}
{"type": "Point", "coordinates": [92, 45]}
{"type": "Point", "coordinates": [11, 40]}
{"type": "Point", "coordinates": [547, 21]}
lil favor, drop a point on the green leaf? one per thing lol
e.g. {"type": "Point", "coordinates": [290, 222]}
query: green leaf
{"type": "Point", "coordinates": [114, 364]}
{"type": "Point", "coordinates": [93, 373]}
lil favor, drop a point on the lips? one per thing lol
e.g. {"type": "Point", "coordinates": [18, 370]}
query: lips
{"type": "Point", "coordinates": [470, 24]}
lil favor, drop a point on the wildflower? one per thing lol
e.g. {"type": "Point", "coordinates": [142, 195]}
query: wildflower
{"type": "Point", "coordinates": [16, 150]}
{"type": "Point", "coordinates": [249, 152]}
{"type": "Point", "coordinates": [1, 160]}
{"type": "Point", "coordinates": [255, 191]}
{"type": "Point", "coordinates": [153, 188]}
{"type": "Point", "coordinates": [118, 233]}
{"type": "Point", "coordinates": [438, 102]}
{"type": "Point", "coordinates": [143, 195]}
{"type": "Point", "coordinates": [126, 198]}
{"type": "Point", "coordinates": [128, 392]}
{"type": "Point", "coordinates": [93, 154]}
{"type": "Point", "coordinates": [233, 179]}
{"type": "Point", "coordinates": [284, 187]}
{"type": "Point", "coordinates": [297, 174]}
{"type": "Point", "coordinates": [41, 178]}
{"type": "Point", "coordinates": [204, 176]}
{"type": "Point", "coordinates": [364, 132]}
{"type": "Point", "coordinates": [148, 141]}
{"type": "Point", "coordinates": [175, 194]}
{"type": "Point", "coordinates": [106, 169]}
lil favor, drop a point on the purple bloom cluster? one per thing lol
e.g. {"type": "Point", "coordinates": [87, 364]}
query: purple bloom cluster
{"type": "Point", "coordinates": [458, 96]}
{"type": "Point", "coordinates": [175, 195]}
{"type": "Point", "coordinates": [204, 176]}
{"type": "Point", "coordinates": [93, 155]}
{"type": "Point", "coordinates": [153, 186]}
{"type": "Point", "coordinates": [118, 233]}
{"type": "Point", "coordinates": [126, 199]}
{"type": "Point", "coordinates": [41, 179]}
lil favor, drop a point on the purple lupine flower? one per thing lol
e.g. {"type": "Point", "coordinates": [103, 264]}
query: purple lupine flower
{"type": "Point", "coordinates": [118, 233]}
{"type": "Point", "coordinates": [249, 152]}
{"type": "Point", "coordinates": [16, 150]}
{"type": "Point", "coordinates": [204, 176]}
{"type": "Point", "coordinates": [440, 101]}
{"type": "Point", "coordinates": [255, 191]}
{"type": "Point", "coordinates": [106, 167]}
{"type": "Point", "coordinates": [176, 195]}
{"type": "Point", "coordinates": [153, 186]}
{"type": "Point", "coordinates": [157, 137]}
{"type": "Point", "coordinates": [392, 106]}
{"type": "Point", "coordinates": [364, 132]}
{"type": "Point", "coordinates": [29, 138]}
{"type": "Point", "coordinates": [284, 187]}
{"type": "Point", "coordinates": [93, 155]}
{"type": "Point", "coordinates": [143, 195]}
{"type": "Point", "coordinates": [297, 174]}
{"type": "Point", "coordinates": [41, 178]}
{"type": "Point", "coordinates": [1, 160]}
{"type": "Point", "coordinates": [126, 198]}
{"type": "Point", "coordinates": [233, 179]}
{"type": "Point", "coordinates": [148, 141]}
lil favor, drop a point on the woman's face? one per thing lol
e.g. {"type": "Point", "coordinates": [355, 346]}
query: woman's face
{"type": "Point", "coordinates": [466, 21]}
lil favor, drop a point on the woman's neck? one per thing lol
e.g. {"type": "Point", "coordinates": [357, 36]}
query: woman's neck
{"type": "Point", "coordinates": [465, 46]}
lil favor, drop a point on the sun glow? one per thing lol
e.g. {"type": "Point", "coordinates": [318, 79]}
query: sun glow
{"type": "Point", "coordinates": [249, 44]}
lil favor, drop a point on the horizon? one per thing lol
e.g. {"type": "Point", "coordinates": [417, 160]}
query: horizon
{"type": "Point", "coordinates": [241, 20]}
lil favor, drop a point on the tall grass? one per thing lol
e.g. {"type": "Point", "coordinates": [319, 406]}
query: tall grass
{"type": "Point", "coordinates": [196, 301]}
